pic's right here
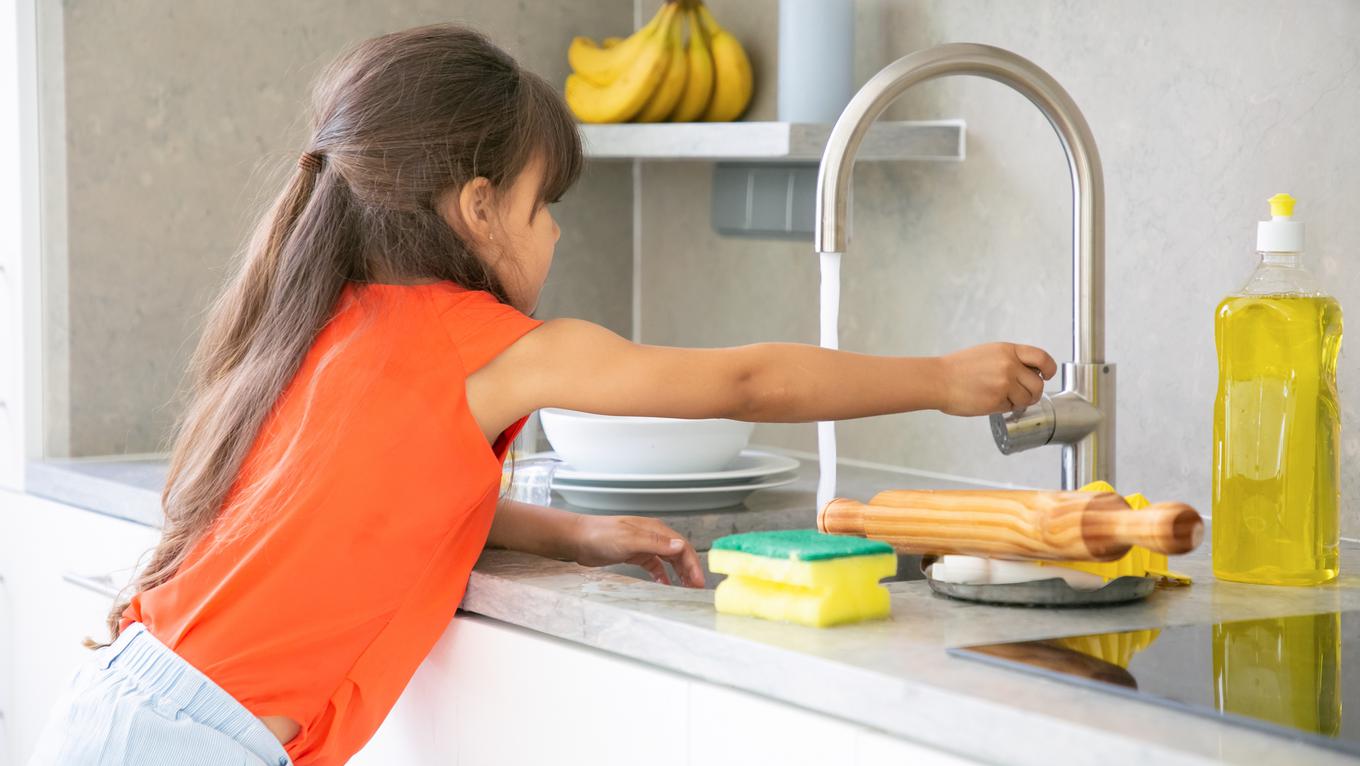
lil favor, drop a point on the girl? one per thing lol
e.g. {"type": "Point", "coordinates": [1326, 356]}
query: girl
{"type": "Point", "coordinates": [354, 395]}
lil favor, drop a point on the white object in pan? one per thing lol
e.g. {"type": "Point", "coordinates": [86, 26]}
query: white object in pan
{"type": "Point", "coordinates": [976, 570]}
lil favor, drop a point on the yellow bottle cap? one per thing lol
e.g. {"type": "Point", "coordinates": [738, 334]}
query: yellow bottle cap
{"type": "Point", "coordinates": [1281, 205]}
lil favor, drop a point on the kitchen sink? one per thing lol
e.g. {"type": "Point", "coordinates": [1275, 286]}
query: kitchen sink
{"type": "Point", "coordinates": [908, 568]}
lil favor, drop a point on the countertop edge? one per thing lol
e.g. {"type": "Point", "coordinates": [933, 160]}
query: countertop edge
{"type": "Point", "coordinates": [63, 482]}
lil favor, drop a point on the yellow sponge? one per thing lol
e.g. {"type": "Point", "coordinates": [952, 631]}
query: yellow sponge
{"type": "Point", "coordinates": [802, 576]}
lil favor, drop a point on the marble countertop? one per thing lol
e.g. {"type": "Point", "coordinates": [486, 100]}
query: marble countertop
{"type": "Point", "coordinates": [126, 486]}
{"type": "Point", "coordinates": [893, 675]}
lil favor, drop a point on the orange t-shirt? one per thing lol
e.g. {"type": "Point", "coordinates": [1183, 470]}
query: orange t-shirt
{"type": "Point", "coordinates": [317, 596]}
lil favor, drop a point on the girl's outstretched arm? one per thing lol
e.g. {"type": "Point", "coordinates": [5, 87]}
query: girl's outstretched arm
{"type": "Point", "coordinates": [581, 366]}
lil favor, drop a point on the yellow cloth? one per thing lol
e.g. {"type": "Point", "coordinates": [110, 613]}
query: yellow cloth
{"type": "Point", "coordinates": [1138, 562]}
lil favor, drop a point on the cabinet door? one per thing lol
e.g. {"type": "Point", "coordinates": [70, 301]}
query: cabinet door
{"type": "Point", "coordinates": [729, 727]}
{"type": "Point", "coordinates": [65, 564]}
{"type": "Point", "coordinates": [491, 694]}
{"type": "Point", "coordinates": [7, 531]}
{"type": "Point", "coordinates": [6, 667]}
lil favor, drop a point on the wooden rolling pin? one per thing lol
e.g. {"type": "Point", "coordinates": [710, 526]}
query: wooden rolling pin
{"type": "Point", "coordinates": [1057, 526]}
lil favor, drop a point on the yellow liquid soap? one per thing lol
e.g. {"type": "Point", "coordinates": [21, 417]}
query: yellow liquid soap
{"type": "Point", "coordinates": [1276, 440]}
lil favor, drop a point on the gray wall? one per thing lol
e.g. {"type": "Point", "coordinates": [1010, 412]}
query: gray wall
{"type": "Point", "coordinates": [180, 119]}
{"type": "Point", "coordinates": [1201, 110]}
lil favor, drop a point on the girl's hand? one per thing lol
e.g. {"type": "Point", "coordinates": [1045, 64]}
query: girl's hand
{"type": "Point", "coordinates": [997, 377]}
{"type": "Point", "coordinates": [640, 541]}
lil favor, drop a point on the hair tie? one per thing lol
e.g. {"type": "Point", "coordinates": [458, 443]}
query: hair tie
{"type": "Point", "coordinates": [311, 161]}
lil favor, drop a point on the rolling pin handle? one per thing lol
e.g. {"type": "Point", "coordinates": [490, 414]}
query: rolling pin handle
{"type": "Point", "coordinates": [1170, 528]}
{"type": "Point", "coordinates": [841, 516]}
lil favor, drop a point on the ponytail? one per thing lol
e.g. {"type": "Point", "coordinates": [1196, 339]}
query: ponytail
{"type": "Point", "coordinates": [257, 335]}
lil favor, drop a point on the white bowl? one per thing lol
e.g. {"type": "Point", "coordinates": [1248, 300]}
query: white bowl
{"type": "Point", "coordinates": [613, 444]}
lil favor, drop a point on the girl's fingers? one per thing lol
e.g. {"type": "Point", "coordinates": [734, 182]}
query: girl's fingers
{"type": "Point", "coordinates": [653, 539]}
{"type": "Point", "coordinates": [661, 542]}
{"type": "Point", "coordinates": [683, 558]}
{"type": "Point", "coordinates": [1020, 397]}
{"type": "Point", "coordinates": [1034, 385]}
{"type": "Point", "coordinates": [686, 565]}
{"type": "Point", "coordinates": [658, 570]}
{"type": "Point", "coordinates": [1038, 359]}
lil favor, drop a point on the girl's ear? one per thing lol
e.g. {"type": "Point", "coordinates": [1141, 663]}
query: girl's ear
{"type": "Point", "coordinates": [470, 211]}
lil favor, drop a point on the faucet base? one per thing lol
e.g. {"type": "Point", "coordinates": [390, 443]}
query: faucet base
{"type": "Point", "coordinates": [1080, 418]}
{"type": "Point", "coordinates": [1088, 455]}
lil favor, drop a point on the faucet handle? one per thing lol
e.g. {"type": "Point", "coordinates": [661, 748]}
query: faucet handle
{"type": "Point", "coordinates": [1025, 429]}
{"type": "Point", "coordinates": [1063, 418]}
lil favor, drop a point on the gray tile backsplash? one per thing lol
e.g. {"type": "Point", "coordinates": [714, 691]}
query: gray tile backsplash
{"type": "Point", "coordinates": [1201, 111]}
{"type": "Point", "coordinates": [177, 116]}
{"type": "Point", "coordinates": [180, 120]}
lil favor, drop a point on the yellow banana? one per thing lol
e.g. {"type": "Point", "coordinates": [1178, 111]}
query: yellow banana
{"type": "Point", "coordinates": [610, 42]}
{"type": "Point", "coordinates": [668, 93]}
{"type": "Point", "coordinates": [699, 85]}
{"type": "Point", "coordinates": [623, 98]}
{"type": "Point", "coordinates": [731, 72]}
{"type": "Point", "coordinates": [603, 66]}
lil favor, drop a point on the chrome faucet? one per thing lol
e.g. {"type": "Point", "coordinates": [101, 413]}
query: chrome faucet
{"type": "Point", "coordinates": [1081, 416]}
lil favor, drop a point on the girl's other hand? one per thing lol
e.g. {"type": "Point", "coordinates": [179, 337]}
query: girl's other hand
{"type": "Point", "coordinates": [637, 540]}
{"type": "Point", "coordinates": [996, 377]}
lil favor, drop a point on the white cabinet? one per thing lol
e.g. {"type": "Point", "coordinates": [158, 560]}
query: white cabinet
{"type": "Point", "coordinates": [735, 728]}
{"type": "Point", "coordinates": [48, 546]}
{"type": "Point", "coordinates": [875, 749]}
{"type": "Point", "coordinates": [729, 727]}
{"type": "Point", "coordinates": [6, 650]}
{"type": "Point", "coordinates": [491, 693]}
{"type": "Point", "coordinates": [19, 241]}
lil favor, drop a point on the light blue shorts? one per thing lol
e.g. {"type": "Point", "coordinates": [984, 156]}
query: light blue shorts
{"type": "Point", "coordinates": [137, 702]}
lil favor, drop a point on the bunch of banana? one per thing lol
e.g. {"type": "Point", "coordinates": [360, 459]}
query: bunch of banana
{"type": "Point", "coordinates": [655, 76]}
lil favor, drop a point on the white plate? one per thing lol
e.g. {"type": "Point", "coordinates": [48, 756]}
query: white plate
{"type": "Point", "coordinates": [662, 499]}
{"type": "Point", "coordinates": [748, 466]}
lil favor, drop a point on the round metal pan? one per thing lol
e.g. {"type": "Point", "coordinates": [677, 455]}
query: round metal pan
{"type": "Point", "coordinates": [1046, 593]}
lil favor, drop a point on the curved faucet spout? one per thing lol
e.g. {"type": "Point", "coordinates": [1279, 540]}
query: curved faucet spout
{"type": "Point", "coordinates": [1088, 183]}
{"type": "Point", "coordinates": [1089, 444]}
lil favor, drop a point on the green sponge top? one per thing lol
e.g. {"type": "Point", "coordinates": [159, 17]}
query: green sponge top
{"type": "Point", "coordinates": [800, 545]}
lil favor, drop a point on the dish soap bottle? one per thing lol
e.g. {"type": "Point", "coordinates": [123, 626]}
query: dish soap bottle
{"type": "Point", "coordinates": [1276, 421]}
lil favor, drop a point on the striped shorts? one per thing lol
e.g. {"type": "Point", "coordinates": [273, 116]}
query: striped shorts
{"type": "Point", "coordinates": [137, 702]}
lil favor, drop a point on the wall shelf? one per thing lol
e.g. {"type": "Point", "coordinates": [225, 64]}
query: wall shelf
{"type": "Point", "coordinates": [769, 141]}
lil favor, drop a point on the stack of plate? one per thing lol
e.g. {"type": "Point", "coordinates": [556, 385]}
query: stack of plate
{"type": "Point", "coordinates": [672, 492]}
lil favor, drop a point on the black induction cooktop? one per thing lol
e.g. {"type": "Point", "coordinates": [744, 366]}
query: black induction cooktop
{"type": "Point", "coordinates": [1293, 676]}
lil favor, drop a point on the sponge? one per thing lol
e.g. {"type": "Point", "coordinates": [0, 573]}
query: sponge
{"type": "Point", "coordinates": [802, 576]}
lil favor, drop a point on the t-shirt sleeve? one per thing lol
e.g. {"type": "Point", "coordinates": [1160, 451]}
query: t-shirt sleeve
{"type": "Point", "coordinates": [482, 327]}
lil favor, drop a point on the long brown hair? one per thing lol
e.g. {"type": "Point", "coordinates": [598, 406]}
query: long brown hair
{"type": "Point", "coordinates": [396, 122]}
